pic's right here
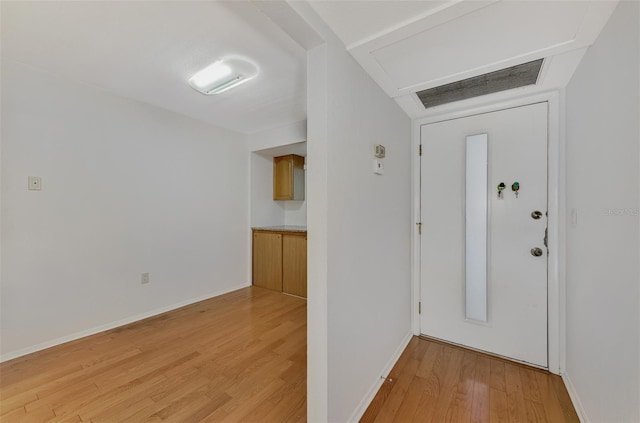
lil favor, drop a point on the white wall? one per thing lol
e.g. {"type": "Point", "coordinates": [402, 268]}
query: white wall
{"type": "Point", "coordinates": [295, 213]}
{"type": "Point", "coordinates": [127, 188]}
{"type": "Point", "coordinates": [359, 233]}
{"type": "Point", "coordinates": [317, 236]}
{"type": "Point", "coordinates": [603, 253]}
{"type": "Point", "coordinates": [279, 141]}
{"type": "Point", "coordinates": [369, 235]}
{"type": "Point", "coordinates": [278, 136]}
{"type": "Point", "coordinates": [264, 210]}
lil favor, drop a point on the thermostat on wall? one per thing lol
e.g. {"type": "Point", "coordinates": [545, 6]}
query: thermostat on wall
{"type": "Point", "coordinates": [379, 151]}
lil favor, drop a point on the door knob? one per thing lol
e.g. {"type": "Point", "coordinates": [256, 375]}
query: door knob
{"type": "Point", "coordinates": [536, 252]}
{"type": "Point", "coordinates": [536, 214]}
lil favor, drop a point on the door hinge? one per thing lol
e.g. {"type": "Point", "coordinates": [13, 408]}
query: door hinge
{"type": "Point", "coordinates": [420, 308]}
{"type": "Point", "coordinates": [420, 150]}
{"type": "Point", "coordinates": [419, 228]}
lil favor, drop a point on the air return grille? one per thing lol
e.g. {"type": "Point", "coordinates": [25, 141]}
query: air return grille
{"type": "Point", "coordinates": [493, 82]}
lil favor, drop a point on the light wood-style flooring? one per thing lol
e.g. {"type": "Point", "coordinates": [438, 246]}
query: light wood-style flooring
{"type": "Point", "coordinates": [241, 357]}
{"type": "Point", "coordinates": [438, 382]}
{"type": "Point", "coordinates": [236, 357]}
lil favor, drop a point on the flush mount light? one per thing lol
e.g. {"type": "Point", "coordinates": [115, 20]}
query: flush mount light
{"type": "Point", "coordinates": [223, 75]}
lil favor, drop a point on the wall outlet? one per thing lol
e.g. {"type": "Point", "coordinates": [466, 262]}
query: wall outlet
{"type": "Point", "coordinates": [35, 183]}
{"type": "Point", "coordinates": [144, 278]}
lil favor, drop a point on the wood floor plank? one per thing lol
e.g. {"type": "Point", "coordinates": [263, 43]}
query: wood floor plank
{"type": "Point", "coordinates": [429, 358]}
{"type": "Point", "coordinates": [378, 401]}
{"type": "Point", "coordinates": [10, 404]}
{"type": "Point", "coordinates": [249, 401]}
{"type": "Point", "coordinates": [288, 410]}
{"type": "Point", "coordinates": [438, 382]}
{"type": "Point", "coordinates": [460, 407]}
{"type": "Point", "coordinates": [481, 391]}
{"type": "Point", "coordinates": [15, 415]}
{"type": "Point", "coordinates": [63, 396]}
{"type": "Point", "coordinates": [449, 386]}
{"type": "Point", "coordinates": [562, 396]}
{"type": "Point", "coordinates": [529, 382]}
{"type": "Point", "coordinates": [164, 394]}
{"type": "Point", "coordinates": [499, 410]}
{"type": "Point", "coordinates": [408, 371]}
{"type": "Point", "coordinates": [515, 393]}
{"type": "Point", "coordinates": [553, 409]}
{"type": "Point", "coordinates": [426, 407]}
{"type": "Point", "coordinates": [535, 412]}
{"type": "Point", "coordinates": [411, 400]}
{"type": "Point", "coordinates": [498, 381]}
{"type": "Point", "coordinates": [387, 386]}
{"type": "Point", "coordinates": [217, 359]}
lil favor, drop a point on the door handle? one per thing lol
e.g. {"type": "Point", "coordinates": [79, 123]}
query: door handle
{"type": "Point", "coordinates": [536, 252]}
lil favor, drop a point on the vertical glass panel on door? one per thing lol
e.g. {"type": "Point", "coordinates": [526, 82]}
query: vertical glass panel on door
{"type": "Point", "coordinates": [476, 228]}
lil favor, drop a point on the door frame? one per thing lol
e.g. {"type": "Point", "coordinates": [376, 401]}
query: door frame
{"type": "Point", "coordinates": [555, 223]}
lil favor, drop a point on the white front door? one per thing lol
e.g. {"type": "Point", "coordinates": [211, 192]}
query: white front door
{"type": "Point", "coordinates": [483, 253]}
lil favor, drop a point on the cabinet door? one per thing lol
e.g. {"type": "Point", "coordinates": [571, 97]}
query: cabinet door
{"type": "Point", "coordinates": [267, 260]}
{"type": "Point", "coordinates": [283, 178]}
{"type": "Point", "coordinates": [294, 258]}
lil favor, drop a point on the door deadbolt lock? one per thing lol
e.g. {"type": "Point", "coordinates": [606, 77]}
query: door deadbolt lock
{"type": "Point", "coordinates": [536, 214]}
{"type": "Point", "coordinates": [536, 252]}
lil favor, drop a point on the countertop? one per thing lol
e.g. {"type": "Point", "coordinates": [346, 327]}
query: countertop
{"type": "Point", "coordinates": [281, 228]}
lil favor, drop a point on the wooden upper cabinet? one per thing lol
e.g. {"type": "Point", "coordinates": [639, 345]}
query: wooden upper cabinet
{"type": "Point", "coordinates": [288, 177]}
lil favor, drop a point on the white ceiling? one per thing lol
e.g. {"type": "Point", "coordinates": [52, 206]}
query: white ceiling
{"type": "Point", "coordinates": [409, 46]}
{"type": "Point", "coordinates": [148, 50]}
{"type": "Point", "coordinates": [299, 148]}
{"type": "Point", "coordinates": [358, 21]}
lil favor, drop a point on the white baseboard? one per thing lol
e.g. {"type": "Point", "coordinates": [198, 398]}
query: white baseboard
{"type": "Point", "coordinates": [108, 326]}
{"type": "Point", "coordinates": [575, 399]}
{"type": "Point", "coordinates": [364, 404]}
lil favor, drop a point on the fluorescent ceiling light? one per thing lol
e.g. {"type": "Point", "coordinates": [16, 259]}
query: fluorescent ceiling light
{"type": "Point", "coordinates": [210, 75]}
{"type": "Point", "coordinates": [223, 75]}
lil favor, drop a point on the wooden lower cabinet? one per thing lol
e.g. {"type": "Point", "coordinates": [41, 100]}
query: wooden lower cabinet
{"type": "Point", "coordinates": [294, 265]}
{"type": "Point", "coordinates": [267, 260]}
{"type": "Point", "coordinates": [280, 261]}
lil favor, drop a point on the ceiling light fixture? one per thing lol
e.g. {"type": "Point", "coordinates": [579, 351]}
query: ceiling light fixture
{"type": "Point", "coordinates": [222, 75]}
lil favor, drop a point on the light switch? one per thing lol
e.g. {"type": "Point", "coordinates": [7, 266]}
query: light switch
{"type": "Point", "coordinates": [378, 167]}
{"type": "Point", "coordinates": [35, 183]}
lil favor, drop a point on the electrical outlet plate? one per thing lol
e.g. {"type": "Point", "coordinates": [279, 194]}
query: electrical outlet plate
{"type": "Point", "coordinates": [35, 183]}
{"type": "Point", "coordinates": [144, 278]}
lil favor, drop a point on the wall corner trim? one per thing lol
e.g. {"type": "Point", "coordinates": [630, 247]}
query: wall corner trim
{"type": "Point", "coordinates": [371, 393]}
{"type": "Point", "coordinates": [575, 399]}
{"type": "Point", "coordinates": [102, 328]}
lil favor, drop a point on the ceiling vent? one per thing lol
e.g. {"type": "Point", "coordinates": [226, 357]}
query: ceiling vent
{"type": "Point", "coordinates": [492, 82]}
